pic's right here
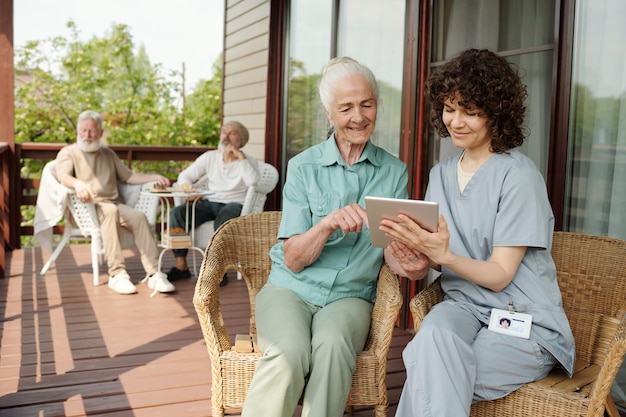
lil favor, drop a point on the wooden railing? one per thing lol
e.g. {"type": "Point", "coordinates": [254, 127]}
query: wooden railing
{"type": "Point", "coordinates": [4, 209]}
{"type": "Point", "coordinates": [28, 187]}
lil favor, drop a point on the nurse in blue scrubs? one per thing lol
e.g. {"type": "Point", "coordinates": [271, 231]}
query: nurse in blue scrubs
{"type": "Point", "coordinates": [492, 248]}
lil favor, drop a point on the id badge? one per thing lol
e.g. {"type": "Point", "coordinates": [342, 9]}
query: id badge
{"type": "Point", "coordinates": [510, 323]}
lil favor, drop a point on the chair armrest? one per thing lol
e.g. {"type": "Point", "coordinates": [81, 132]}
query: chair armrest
{"type": "Point", "coordinates": [81, 215]}
{"type": "Point", "coordinates": [253, 202]}
{"type": "Point", "coordinates": [385, 312]}
{"type": "Point", "coordinates": [84, 215]}
{"type": "Point", "coordinates": [423, 301]}
{"type": "Point", "coordinates": [221, 255]}
{"type": "Point", "coordinates": [148, 204]}
{"type": "Point", "coordinates": [615, 352]}
{"type": "Point", "coordinates": [257, 194]}
{"type": "Point", "coordinates": [241, 244]}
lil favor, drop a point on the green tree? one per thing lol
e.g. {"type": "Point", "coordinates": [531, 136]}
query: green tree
{"type": "Point", "coordinates": [66, 77]}
{"type": "Point", "coordinates": [62, 77]}
{"type": "Point", "coordinates": [57, 78]}
{"type": "Point", "coordinates": [202, 110]}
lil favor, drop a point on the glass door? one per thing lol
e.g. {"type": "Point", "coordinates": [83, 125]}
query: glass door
{"type": "Point", "coordinates": [595, 196]}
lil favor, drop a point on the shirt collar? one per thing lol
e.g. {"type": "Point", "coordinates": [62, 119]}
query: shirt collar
{"type": "Point", "coordinates": [332, 156]}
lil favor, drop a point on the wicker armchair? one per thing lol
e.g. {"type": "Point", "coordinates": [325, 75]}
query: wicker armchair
{"type": "Point", "coordinates": [243, 244]}
{"type": "Point", "coordinates": [592, 275]}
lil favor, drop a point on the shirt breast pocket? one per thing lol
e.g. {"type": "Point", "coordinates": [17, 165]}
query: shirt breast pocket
{"type": "Point", "coordinates": [321, 206]}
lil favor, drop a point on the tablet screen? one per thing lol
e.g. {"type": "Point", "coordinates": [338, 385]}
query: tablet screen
{"type": "Point", "coordinates": [425, 213]}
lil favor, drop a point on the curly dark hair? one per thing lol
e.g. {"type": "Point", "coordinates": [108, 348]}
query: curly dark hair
{"type": "Point", "coordinates": [487, 82]}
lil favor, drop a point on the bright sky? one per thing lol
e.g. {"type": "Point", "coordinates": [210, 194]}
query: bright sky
{"type": "Point", "coordinates": [172, 32]}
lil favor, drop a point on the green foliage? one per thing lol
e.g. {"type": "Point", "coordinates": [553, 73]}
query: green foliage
{"type": "Point", "coordinates": [202, 109]}
{"type": "Point", "coordinates": [201, 128]}
{"type": "Point", "coordinates": [307, 123]}
{"type": "Point", "coordinates": [63, 77]}
{"type": "Point", "coordinates": [58, 78]}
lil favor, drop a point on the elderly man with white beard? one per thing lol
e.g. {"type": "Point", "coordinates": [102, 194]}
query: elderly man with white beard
{"type": "Point", "coordinates": [93, 171]}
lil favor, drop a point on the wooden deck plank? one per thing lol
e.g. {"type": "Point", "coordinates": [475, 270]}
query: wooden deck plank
{"type": "Point", "coordinates": [68, 348]}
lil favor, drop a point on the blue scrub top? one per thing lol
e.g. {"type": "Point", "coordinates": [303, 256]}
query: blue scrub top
{"type": "Point", "coordinates": [505, 203]}
{"type": "Point", "coordinates": [319, 182]}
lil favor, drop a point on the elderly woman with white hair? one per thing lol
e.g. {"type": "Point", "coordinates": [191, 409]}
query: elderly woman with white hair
{"type": "Point", "coordinates": [313, 315]}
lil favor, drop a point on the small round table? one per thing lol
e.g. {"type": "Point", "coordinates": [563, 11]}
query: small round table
{"type": "Point", "coordinates": [168, 241]}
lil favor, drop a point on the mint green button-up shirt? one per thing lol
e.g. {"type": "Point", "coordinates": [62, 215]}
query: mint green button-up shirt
{"type": "Point", "coordinates": [319, 182]}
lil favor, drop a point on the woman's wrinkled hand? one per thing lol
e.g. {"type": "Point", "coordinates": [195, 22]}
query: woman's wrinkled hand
{"type": "Point", "coordinates": [349, 219]}
{"type": "Point", "coordinates": [408, 262]}
{"type": "Point", "coordinates": [434, 245]}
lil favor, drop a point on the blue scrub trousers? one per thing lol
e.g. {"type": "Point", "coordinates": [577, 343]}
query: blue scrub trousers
{"type": "Point", "coordinates": [454, 360]}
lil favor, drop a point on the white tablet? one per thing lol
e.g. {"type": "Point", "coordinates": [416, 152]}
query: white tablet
{"type": "Point", "coordinates": [425, 213]}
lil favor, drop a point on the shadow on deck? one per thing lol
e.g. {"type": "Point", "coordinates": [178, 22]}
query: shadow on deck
{"type": "Point", "coordinates": [68, 348]}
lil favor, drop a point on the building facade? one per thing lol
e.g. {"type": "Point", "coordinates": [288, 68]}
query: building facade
{"type": "Point", "coordinates": [569, 51]}
{"type": "Point", "coordinates": [575, 71]}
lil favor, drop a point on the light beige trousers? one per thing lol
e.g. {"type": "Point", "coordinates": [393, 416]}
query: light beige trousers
{"type": "Point", "coordinates": [113, 217]}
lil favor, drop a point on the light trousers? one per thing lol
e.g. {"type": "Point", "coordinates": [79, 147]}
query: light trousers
{"type": "Point", "coordinates": [454, 360]}
{"type": "Point", "coordinates": [113, 217]}
{"type": "Point", "coordinates": [301, 341]}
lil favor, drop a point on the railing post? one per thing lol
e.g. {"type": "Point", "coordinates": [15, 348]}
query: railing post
{"type": "Point", "coordinates": [6, 128]}
{"type": "Point", "coordinates": [4, 212]}
{"type": "Point", "coordinates": [14, 197]}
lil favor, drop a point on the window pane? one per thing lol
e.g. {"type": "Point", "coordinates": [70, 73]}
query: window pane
{"type": "Point", "coordinates": [369, 31]}
{"type": "Point", "coordinates": [309, 46]}
{"type": "Point", "coordinates": [523, 31]}
{"type": "Point", "coordinates": [597, 147]}
{"type": "Point", "coordinates": [498, 25]}
{"type": "Point", "coordinates": [372, 32]}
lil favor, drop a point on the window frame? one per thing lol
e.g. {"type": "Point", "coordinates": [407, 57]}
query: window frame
{"type": "Point", "coordinates": [414, 123]}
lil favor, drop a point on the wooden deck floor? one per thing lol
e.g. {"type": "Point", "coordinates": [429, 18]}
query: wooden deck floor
{"type": "Point", "coordinates": [68, 348]}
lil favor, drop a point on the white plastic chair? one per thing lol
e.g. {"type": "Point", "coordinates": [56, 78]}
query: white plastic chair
{"type": "Point", "coordinates": [81, 220]}
{"type": "Point", "coordinates": [254, 202]}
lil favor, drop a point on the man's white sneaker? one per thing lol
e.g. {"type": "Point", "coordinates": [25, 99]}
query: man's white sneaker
{"type": "Point", "coordinates": [121, 284]}
{"type": "Point", "coordinates": [159, 283]}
